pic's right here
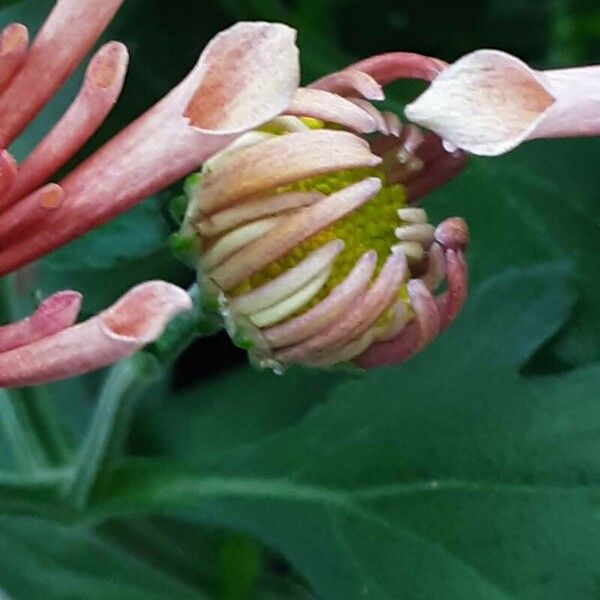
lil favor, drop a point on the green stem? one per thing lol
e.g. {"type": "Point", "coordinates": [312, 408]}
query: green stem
{"type": "Point", "coordinates": [28, 415]}
{"type": "Point", "coordinates": [124, 385]}
{"type": "Point", "coordinates": [110, 424]}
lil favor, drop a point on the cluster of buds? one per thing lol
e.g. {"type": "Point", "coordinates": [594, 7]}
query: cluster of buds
{"type": "Point", "coordinates": [311, 245]}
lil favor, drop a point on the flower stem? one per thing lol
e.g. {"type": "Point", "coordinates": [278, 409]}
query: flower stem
{"type": "Point", "coordinates": [123, 387]}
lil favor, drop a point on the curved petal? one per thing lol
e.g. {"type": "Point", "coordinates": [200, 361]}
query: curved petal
{"type": "Point", "coordinates": [54, 314]}
{"type": "Point", "coordinates": [488, 102]}
{"type": "Point", "coordinates": [101, 87]}
{"type": "Point", "coordinates": [135, 320]}
{"type": "Point", "coordinates": [164, 144]}
{"type": "Point", "coordinates": [14, 42]}
{"type": "Point", "coordinates": [65, 38]}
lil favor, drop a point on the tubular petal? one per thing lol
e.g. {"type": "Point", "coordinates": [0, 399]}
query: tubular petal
{"type": "Point", "coordinates": [386, 68]}
{"type": "Point", "coordinates": [451, 302]}
{"type": "Point", "coordinates": [419, 332]}
{"type": "Point", "coordinates": [348, 81]}
{"type": "Point", "coordinates": [328, 310]}
{"type": "Point", "coordinates": [288, 282]}
{"type": "Point", "coordinates": [14, 41]}
{"type": "Point", "coordinates": [67, 35]}
{"type": "Point", "coordinates": [8, 174]}
{"type": "Point", "coordinates": [254, 209]}
{"type": "Point", "coordinates": [54, 314]}
{"type": "Point", "coordinates": [135, 320]}
{"type": "Point", "coordinates": [101, 87]}
{"type": "Point", "coordinates": [163, 145]}
{"type": "Point", "coordinates": [234, 240]}
{"type": "Point", "coordinates": [278, 312]}
{"type": "Point", "coordinates": [488, 102]}
{"type": "Point", "coordinates": [330, 108]}
{"type": "Point", "coordinates": [291, 231]}
{"type": "Point", "coordinates": [282, 160]}
{"type": "Point", "coordinates": [18, 220]}
{"type": "Point", "coordinates": [364, 312]}
{"type": "Point", "coordinates": [436, 268]}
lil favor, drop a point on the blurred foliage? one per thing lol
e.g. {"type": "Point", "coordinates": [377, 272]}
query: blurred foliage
{"type": "Point", "coordinates": [470, 472]}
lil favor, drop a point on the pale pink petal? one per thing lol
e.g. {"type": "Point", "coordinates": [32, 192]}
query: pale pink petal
{"type": "Point", "coordinates": [348, 82]}
{"type": "Point", "coordinates": [418, 333]}
{"type": "Point", "coordinates": [254, 209]}
{"type": "Point", "coordinates": [386, 68]}
{"type": "Point", "coordinates": [293, 230]}
{"type": "Point", "coordinates": [452, 233]}
{"type": "Point", "coordinates": [54, 314]}
{"type": "Point", "coordinates": [65, 38]}
{"type": "Point", "coordinates": [8, 174]}
{"type": "Point", "coordinates": [101, 87]}
{"type": "Point", "coordinates": [364, 312]}
{"type": "Point", "coordinates": [281, 160]}
{"type": "Point", "coordinates": [436, 268]}
{"type": "Point", "coordinates": [288, 282]}
{"type": "Point", "coordinates": [135, 320]}
{"type": "Point", "coordinates": [331, 108]}
{"type": "Point", "coordinates": [488, 102]}
{"type": "Point", "coordinates": [14, 41]}
{"type": "Point", "coordinates": [164, 144]}
{"type": "Point", "coordinates": [328, 310]}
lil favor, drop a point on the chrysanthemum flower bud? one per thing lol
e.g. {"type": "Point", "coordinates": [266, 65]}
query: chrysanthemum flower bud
{"type": "Point", "coordinates": [307, 243]}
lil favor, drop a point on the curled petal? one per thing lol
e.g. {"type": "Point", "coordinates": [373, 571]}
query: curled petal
{"type": "Point", "coordinates": [293, 230]}
{"type": "Point", "coordinates": [288, 282]}
{"type": "Point", "coordinates": [101, 87]}
{"type": "Point", "coordinates": [135, 320]}
{"type": "Point", "coordinates": [365, 311]}
{"type": "Point", "coordinates": [389, 67]}
{"type": "Point", "coordinates": [331, 108]}
{"type": "Point", "coordinates": [488, 102]}
{"type": "Point", "coordinates": [348, 81]}
{"type": "Point", "coordinates": [54, 314]}
{"type": "Point", "coordinates": [328, 310]}
{"type": "Point", "coordinates": [67, 35]}
{"type": "Point", "coordinates": [451, 302]}
{"type": "Point", "coordinates": [441, 170]}
{"type": "Point", "coordinates": [174, 137]}
{"type": "Point", "coordinates": [419, 332]}
{"type": "Point", "coordinates": [280, 160]}
{"type": "Point", "coordinates": [436, 268]}
{"type": "Point", "coordinates": [14, 41]}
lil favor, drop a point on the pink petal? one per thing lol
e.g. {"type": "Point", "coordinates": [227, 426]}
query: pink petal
{"type": "Point", "coordinates": [164, 144]}
{"type": "Point", "coordinates": [14, 41]}
{"type": "Point", "coordinates": [101, 87]}
{"type": "Point", "coordinates": [416, 335]}
{"type": "Point", "coordinates": [8, 174]}
{"type": "Point", "coordinates": [328, 310]}
{"type": "Point", "coordinates": [386, 68]}
{"type": "Point", "coordinates": [55, 313]}
{"type": "Point", "coordinates": [65, 38]}
{"type": "Point", "coordinates": [330, 108]}
{"type": "Point", "coordinates": [293, 230]}
{"type": "Point", "coordinates": [135, 320]}
{"type": "Point", "coordinates": [349, 81]}
{"type": "Point", "coordinates": [489, 102]}
{"type": "Point", "coordinates": [280, 160]}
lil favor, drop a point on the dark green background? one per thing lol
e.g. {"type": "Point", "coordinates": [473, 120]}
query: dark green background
{"type": "Point", "coordinates": [473, 471]}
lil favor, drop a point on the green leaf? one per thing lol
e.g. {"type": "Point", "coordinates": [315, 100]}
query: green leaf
{"type": "Point", "coordinates": [445, 477]}
{"type": "Point", "coordinates": [41, 559]}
